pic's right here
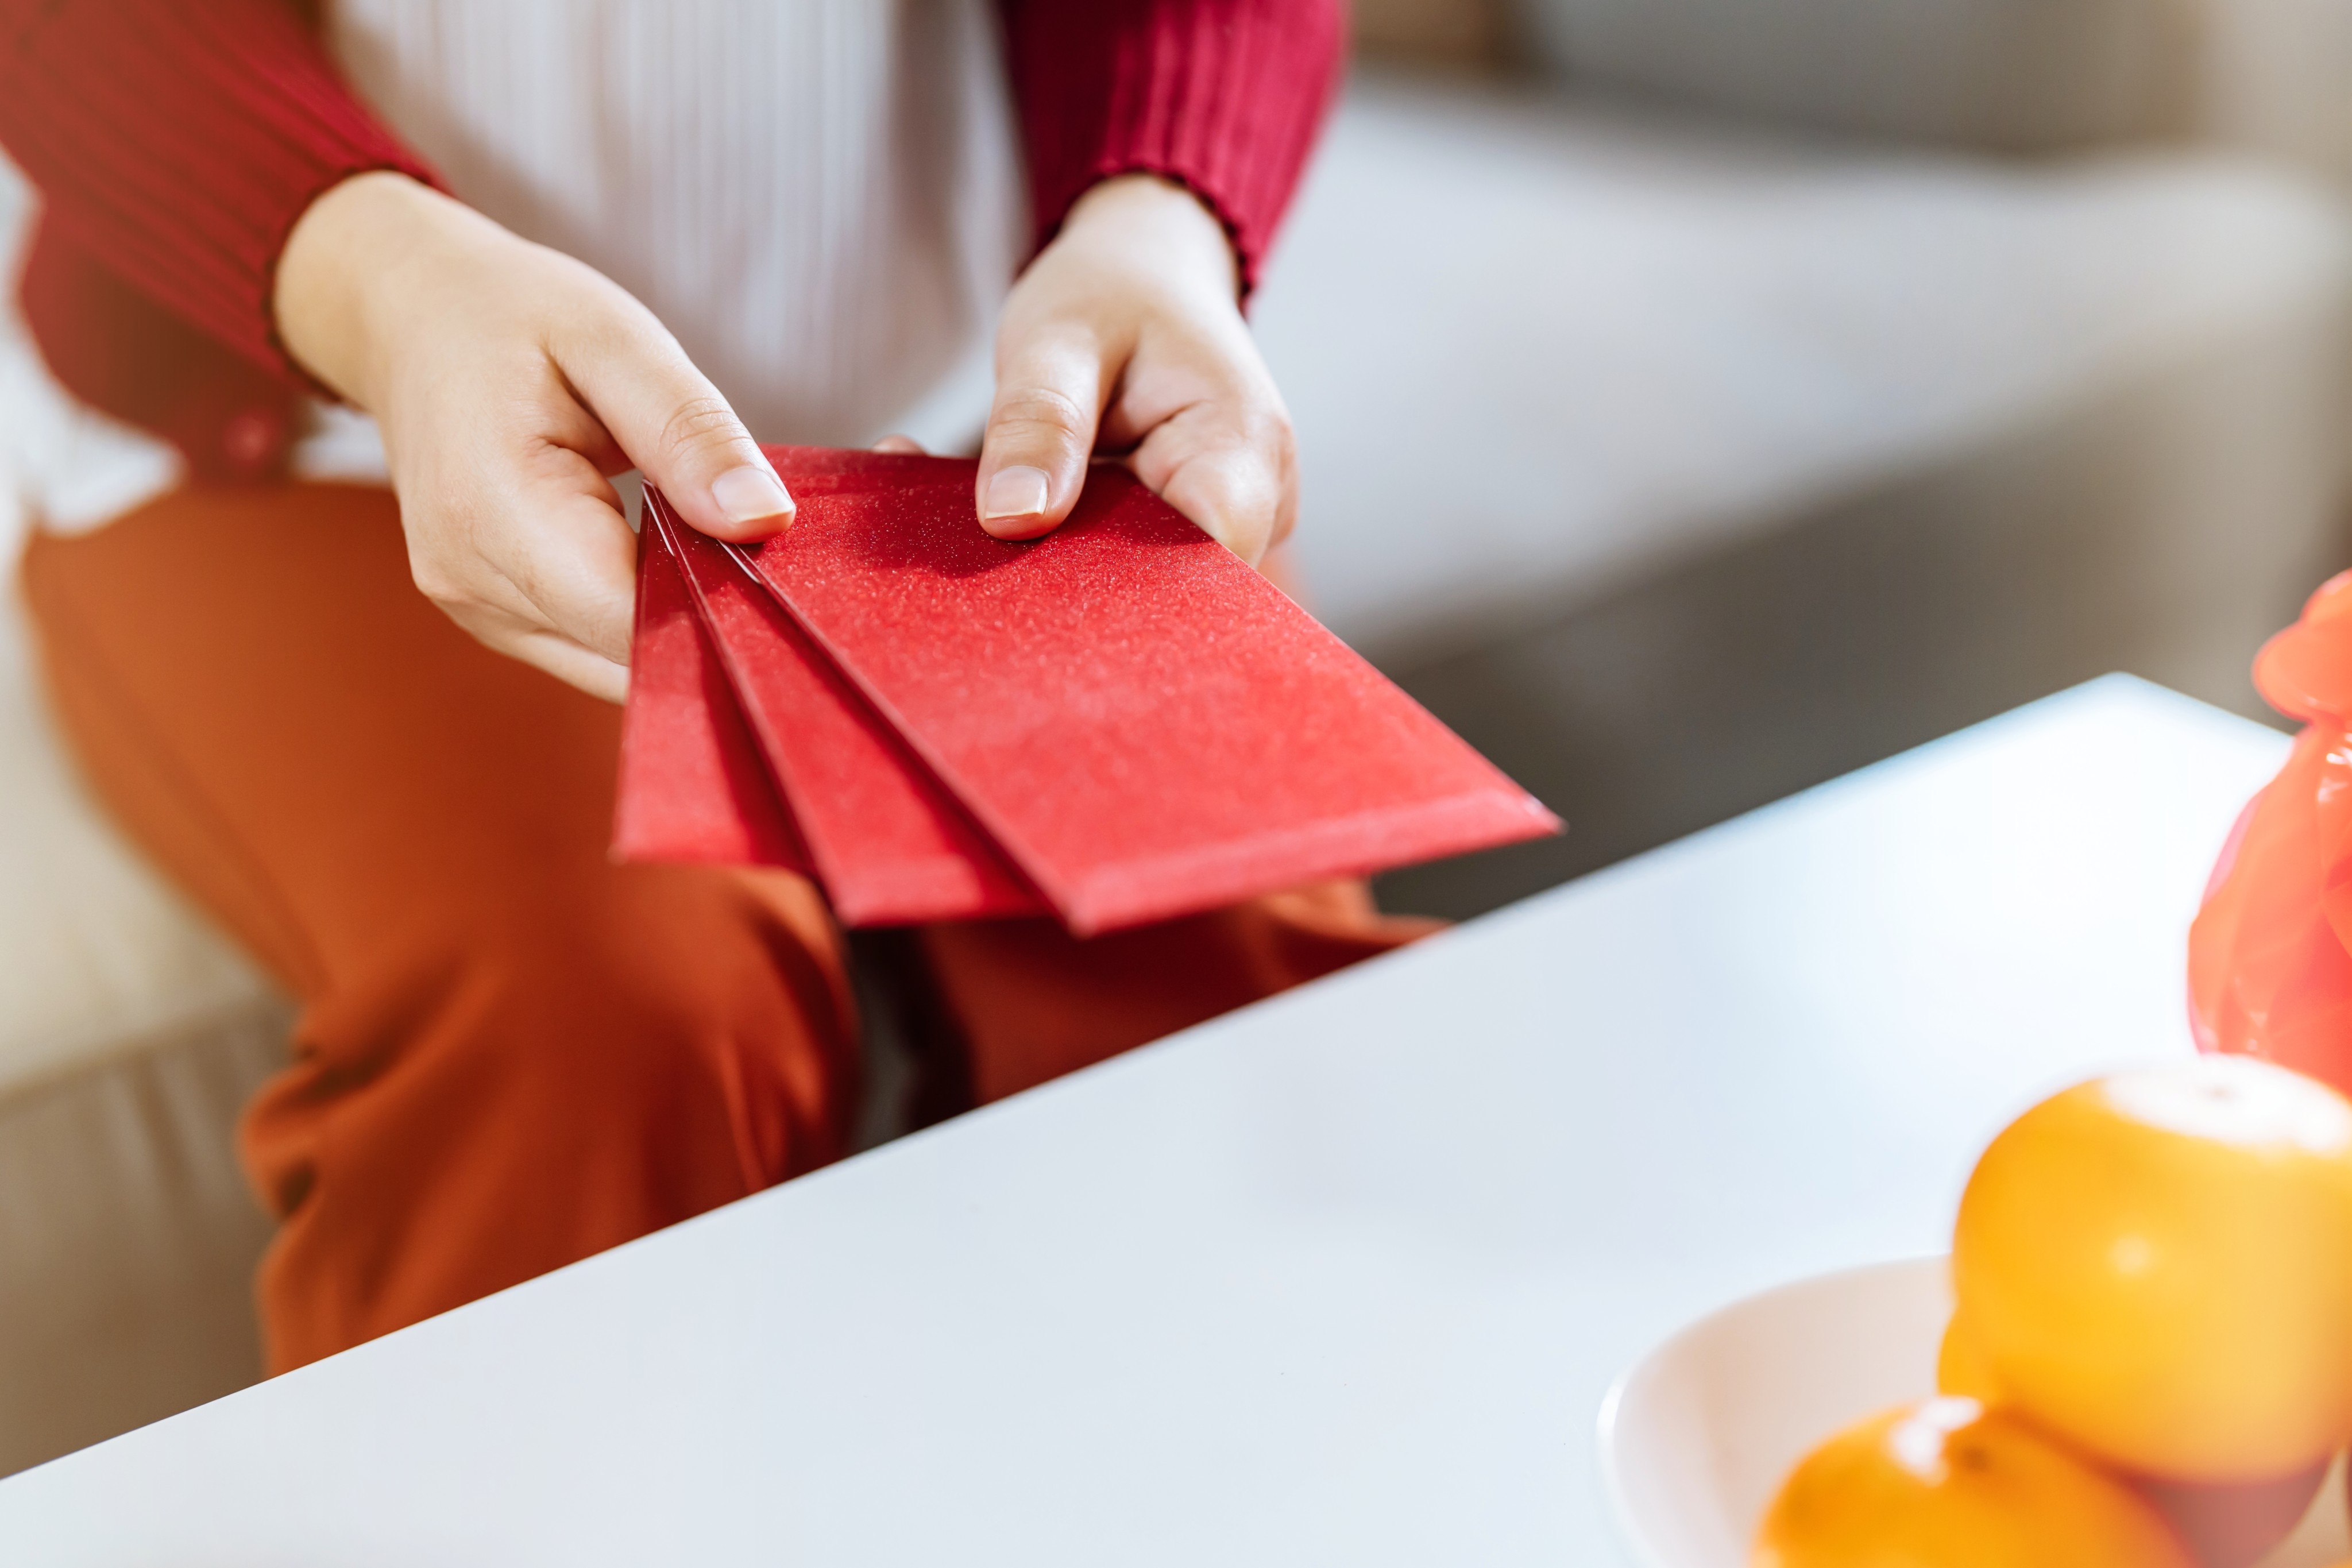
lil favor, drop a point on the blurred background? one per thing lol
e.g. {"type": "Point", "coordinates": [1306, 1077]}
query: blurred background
{"type": "Point", "coordinates": [1697, 399]}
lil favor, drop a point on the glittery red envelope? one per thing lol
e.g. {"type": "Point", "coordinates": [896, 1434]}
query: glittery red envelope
{"type": "Point", "coordinates": [1120, 722]}
{"type": "Point", "coordinates": [890, 844]}
{"type": "Point", "coordinates": [692, 785]}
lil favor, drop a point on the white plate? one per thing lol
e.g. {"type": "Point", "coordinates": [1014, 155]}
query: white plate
{"type": "Point", "coordinates": [1696, 1437]}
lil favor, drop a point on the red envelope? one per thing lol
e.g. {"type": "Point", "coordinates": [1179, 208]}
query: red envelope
{"type": "Point", "coordinates": [692, 786]}
{"type": "Point", "coordinates": [1145, 726]}
{"type": "Point", "coordinates": [890, 845]}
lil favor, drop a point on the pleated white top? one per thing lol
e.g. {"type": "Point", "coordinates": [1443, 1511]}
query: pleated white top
{"type": "Point", "coordinates": [820, 197]}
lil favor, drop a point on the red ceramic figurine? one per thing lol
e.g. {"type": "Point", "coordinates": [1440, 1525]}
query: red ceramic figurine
{"type": "Point", "coordinates": [2270, 971]}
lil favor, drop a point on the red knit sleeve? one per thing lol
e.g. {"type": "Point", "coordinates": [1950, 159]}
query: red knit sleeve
{"type": "Point", "coordinates": [178, 142]}
{"type": "Point", "coordinates": [1225, 96]}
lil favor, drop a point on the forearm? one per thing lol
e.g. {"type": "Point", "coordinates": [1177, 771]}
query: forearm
{"type": "Point", "coordinates": [181, 143]}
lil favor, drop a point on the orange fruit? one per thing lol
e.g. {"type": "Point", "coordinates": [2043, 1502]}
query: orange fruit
{"type": "Point", "coordinates": [1960, 1369]}
{"type": "Point", "coordinates": [2157, 1267]}
{"type": "Point", "coordinates": [1949, 1484]}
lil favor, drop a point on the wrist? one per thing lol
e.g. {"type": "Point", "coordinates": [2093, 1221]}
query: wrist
{"type": "Point", "coordinates": [1160, 223]}
{"type": "Point", "coordinates": [361, 257]}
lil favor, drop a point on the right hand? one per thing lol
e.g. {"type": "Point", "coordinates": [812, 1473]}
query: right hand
{"type": "Point", "coordinates": [510, 381]}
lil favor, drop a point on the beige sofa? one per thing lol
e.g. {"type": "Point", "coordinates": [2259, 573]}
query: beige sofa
{"type": "Point", "coordinates": [1703, 414]}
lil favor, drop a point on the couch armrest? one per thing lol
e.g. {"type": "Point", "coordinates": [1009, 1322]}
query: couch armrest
{"type": "Point", "coordinates": [2017, 76]}
{"type": "Point", "coordinates": [1454, 34]}
{"type": "Point", "coordinates": [2276, 78]}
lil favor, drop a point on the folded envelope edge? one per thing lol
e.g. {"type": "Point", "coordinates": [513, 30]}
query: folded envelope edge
{"type": "Point", "coordinates": [656, 511]}
{"type": "Point", "coordinates": [1165, 886]}
{"type": "Point", "coordinates": [922, 893]}
{"type": "Point", "coordinates": [912, 891]}
{"type": "Point", "coordinates": [763, 831]}
{"type": "Point", "coordinates": [1057, 894]}
{"type": "Point", "coordinates": [909, 891]}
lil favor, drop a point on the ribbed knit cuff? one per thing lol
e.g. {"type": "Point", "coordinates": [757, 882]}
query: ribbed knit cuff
{"type": "Point", "coordinates": [1224, 97]}
{"type": "Point", "coordinates": [178, 143]}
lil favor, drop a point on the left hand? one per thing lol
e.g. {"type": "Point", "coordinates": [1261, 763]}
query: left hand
{"type": "Point", "coordinates": [1127, 332]}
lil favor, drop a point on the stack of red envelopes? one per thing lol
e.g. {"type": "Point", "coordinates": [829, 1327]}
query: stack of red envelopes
{"type": "Point", "coordinates": [1118, 723]}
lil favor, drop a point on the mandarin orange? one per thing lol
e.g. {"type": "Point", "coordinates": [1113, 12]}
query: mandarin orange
{"type": "Point", "coordinates": [1960, 1369]}
{"type": "Point", "coordinates": [2157, 1267]}
{"type": "Point", "coordinates": [1949, 1484]}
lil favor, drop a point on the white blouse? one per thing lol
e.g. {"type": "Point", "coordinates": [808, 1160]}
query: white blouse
{"type": "Point", "coordinates": [820, 197]}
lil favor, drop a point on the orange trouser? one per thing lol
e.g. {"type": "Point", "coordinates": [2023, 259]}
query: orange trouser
{"type": "Point", "coordinates": [512, 1053]}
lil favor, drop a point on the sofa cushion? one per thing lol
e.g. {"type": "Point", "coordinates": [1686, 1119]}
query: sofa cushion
{"type": "Point", "coordinates": [129, 1235]}
{"type": "Point", "coordinates": [2272, 79]}
{"type": "Point", "coordinates": [1537, 349]}
{"type": "Point", "coordinates": [96, 954]}
{"type": "Point", "coordinates": [95, 950]}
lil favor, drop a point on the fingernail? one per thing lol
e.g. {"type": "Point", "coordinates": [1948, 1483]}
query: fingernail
{"type": "Point", "coordinates": [1015, 492]}
{"type": "Point", "coordinates": [751, 493]}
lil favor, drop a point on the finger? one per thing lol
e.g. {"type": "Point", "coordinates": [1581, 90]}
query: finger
{"type": "Point", "coordinates": [1041, 430]}
{"type": "Point", "coordinates": [547, 550]}
{"type": "Point", "coordinates": [1233, 474]}
{"type": "Point", "coordinates": [579, 570]}
{"type": "Point", "coordinates": [558, 654]}
{"type": "Point", "coordinates": [576, 666]}
{"type": "Point", "coordinates": [904, 445]}
{"type": "Point", "coordinates": [673, 424]}
{"type": "Point", "coordinates": [571, 663]}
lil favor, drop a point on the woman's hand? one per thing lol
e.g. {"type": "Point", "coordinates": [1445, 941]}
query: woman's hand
{"type": "Point", "coordinates": [1127, 331]}
{"type": "Point", "coordinates": [509, 382]}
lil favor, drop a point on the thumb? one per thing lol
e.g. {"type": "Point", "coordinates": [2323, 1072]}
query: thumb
{"type": "Point", "coordinates": [679, 432]}
{"type": "Point", "coordinates": [1041, 428]}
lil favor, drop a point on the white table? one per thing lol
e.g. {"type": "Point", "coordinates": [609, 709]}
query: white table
{"type": "Point", "coordinates": [1340, 1278]}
